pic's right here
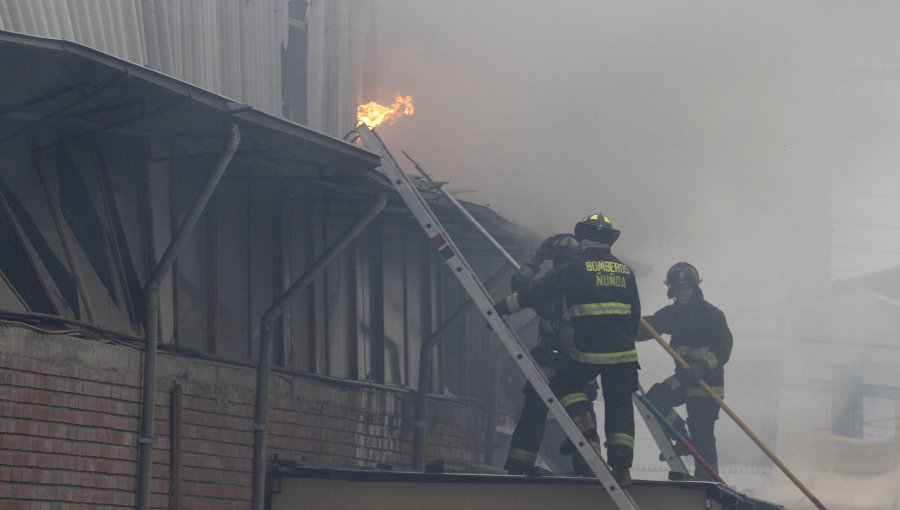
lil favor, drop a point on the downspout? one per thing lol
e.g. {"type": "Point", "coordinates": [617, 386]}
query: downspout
{"type": "Point", "coordinates": [265, 346]}
{"type": "Point", "coordinates": [420, 423]}
{"type": "Point", "coordinates": [151, 313]}
{"type": "Point", "coordinates": [490, 429]}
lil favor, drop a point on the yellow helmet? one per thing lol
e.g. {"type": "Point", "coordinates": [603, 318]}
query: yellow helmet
{"type": "Point", "coordinates": [596, 227]}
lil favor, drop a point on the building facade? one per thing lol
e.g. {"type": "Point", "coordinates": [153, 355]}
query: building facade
{"type": "Point", "coordinates": [839, 415]}
{"type": "Point", "coordinates": [113, 124]}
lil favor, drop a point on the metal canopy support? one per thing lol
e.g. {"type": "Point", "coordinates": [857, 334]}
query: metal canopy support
{"type": "Point", "coordinates": [151, 316]}
{"type": "Point", "coordinates": [266, 328]}
{"type": "Point", "coordinates": [482, 299]}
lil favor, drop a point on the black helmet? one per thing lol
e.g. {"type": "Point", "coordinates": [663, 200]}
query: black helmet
{"type": "Point", "coordinates": [682, 273]}
{"type": "Point", "coordinates": [564, 248]}
{"type": "Point", "coordinates": [596, 227]}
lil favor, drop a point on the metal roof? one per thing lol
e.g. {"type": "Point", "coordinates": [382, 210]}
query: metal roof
{"type": "Point", "coordinates": [65, 84]}
{"type": "Point", "coordinates": [232, 47]}
{"type": "Point", "coordinates": [88, 91]}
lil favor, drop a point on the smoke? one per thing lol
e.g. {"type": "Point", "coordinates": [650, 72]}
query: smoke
{"type": "Point", "coordinates": [757, 140]}
{"type": "Point", "coordinates": [707, 131]}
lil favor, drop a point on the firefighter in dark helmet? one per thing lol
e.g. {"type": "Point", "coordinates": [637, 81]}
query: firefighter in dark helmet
{"type": "Point", "coordinates": [603, 309]}
{"type": "Point", "coordinates": [529, 431]}
{"type": "Point", "coordinates": [700, 334]}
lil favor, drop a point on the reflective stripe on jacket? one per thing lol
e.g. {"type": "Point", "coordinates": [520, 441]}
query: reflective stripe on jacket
{"type": "Point", "coordinates": [603, 304]}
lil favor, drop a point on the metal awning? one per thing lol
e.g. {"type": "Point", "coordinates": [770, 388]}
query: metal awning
{"type": "Point", "coordinates": [53, 83]}
{"type": "Point", "coordinates": [49, 81]}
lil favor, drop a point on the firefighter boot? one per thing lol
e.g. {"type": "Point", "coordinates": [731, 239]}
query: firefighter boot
{"type": "Point", "coordinates": [520, 462]}
{"type": "Point", "coordinates": [586, 422]}
{"type": "Point", "coordinates": [681, 450]}
{"type": "Point", "coordinates": [622, 475]}
{"type": "Point", "coordinates": [680, 426]}
{"type": "Point", "coordinates": [579, 465]}
{"type": "Point", "coordinates": [530, 471]}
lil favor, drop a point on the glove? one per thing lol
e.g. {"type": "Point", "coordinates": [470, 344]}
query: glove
{"type": "Point", "coordinates": [519, 282]}
{"type": "Point", "coordinates": [501, 308]}
{"type": "Point", "coordinates": [697, 371]}
{"type": "Point", "coordinates": [544, 355]}
{"type": "Point", "coordinates": [591, 390]}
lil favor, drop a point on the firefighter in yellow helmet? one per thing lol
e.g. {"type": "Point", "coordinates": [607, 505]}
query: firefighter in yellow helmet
{"type": "Point", "coordinates": [700, 334]}
{"type": "Point", "coordinates": [603, 309]}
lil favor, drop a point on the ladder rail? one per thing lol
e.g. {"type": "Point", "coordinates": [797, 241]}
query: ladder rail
{"type": "Point", "coordinates": [462, 210]}
{"type": "Point", "coordinates": [407, 190]}
{"type": "Point", "coordinates": [444, 245]}
{"type": "Point", "coordinates": [659, 436]}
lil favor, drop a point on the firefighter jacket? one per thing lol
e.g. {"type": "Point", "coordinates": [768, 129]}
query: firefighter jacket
{"type": "Point", "coordinates": [699, 333]}
{"type": "Point", "coordinates": [550, 314]}
{"type": "Point", "coordinates": [548, 347]}
{"type": "Point", "coordinates": [602, 305]}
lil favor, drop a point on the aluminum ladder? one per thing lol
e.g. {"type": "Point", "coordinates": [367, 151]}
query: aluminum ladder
{"type": "Point", "coordinates": [482, 299]}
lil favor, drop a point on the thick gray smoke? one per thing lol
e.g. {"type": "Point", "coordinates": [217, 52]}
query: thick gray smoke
{"type": "Point", "coordinates": [758, 140]}
{"type": "Point", "coordinates": [707, 131]}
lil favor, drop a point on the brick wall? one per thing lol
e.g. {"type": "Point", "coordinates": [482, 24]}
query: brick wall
{"type": "Point", "coordinates": [70, 414]}
{"type": "Point", "coordinates": [68, 423]}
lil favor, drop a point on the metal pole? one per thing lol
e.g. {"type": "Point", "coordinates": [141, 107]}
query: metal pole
{"type": "Point", "coordinates": [468, 216]}
{"type": "Point", "coordinates": [151, 313]}
{"type": "Point", "coordinates": [265, 345]}
{"type": "Point", "coordinates": [684, 364]}
{"type": "Point", "coordinates": [490, 429]}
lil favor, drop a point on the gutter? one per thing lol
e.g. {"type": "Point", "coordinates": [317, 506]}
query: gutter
{"type": "Point", "coordinates": [192, 92]}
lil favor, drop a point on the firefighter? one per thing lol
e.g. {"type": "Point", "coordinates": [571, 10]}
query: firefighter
{"type": "Point", "coordinates": [700, 334]}
{"type": "Point", "coordinates": [603, 310]}
{"type": "Point", "coordinates": [529, 431]}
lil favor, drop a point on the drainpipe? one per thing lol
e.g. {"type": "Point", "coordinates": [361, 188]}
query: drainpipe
{"type": "Point", "coordinates": [420, 423]}
{"type": "Point", "coordinates": [151, 313]}
{"type": "Point", "coordinates": [265, 346]}
{"type": "Point", "coordinates": [490, 429]}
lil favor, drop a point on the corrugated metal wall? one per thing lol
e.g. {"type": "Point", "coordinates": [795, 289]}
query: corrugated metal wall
{"type": "Point", "coordinates": [232, 47]}
{"type": "Point", "coordinates": [338, 34]}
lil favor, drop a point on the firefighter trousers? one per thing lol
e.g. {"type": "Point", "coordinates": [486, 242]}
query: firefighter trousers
{"type": "Point", "coordinates": [617, 382]}
{"type": "Point", "coordinates": [702, 413]}
{"type": "Point", "coordinates": [526, 438]}
{"type": "Point", "coordinates": [529, 432]}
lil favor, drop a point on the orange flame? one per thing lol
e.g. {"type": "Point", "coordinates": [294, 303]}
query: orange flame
{"type": "Point", "coordinates": [373, 114]}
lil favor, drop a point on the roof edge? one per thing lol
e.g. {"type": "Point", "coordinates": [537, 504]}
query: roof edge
{"type": "Point", "coordinates": [231, 107]}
